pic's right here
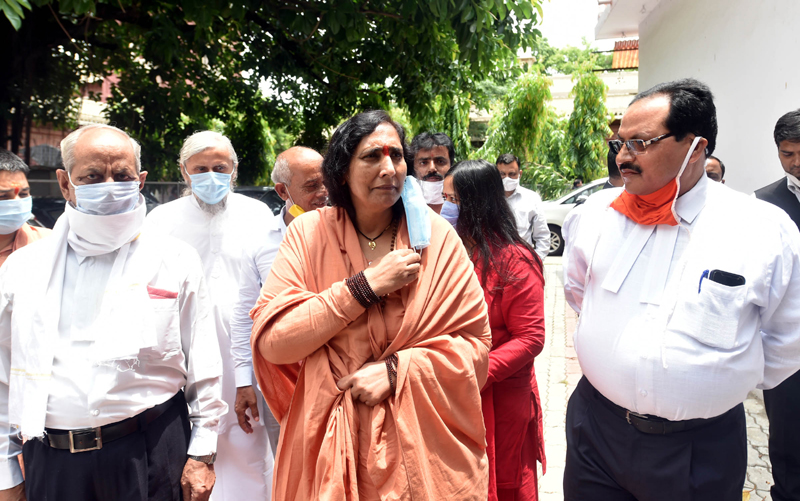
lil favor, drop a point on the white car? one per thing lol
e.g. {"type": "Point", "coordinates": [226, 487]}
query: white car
{"type": "Point", "coordinates": [557, 210]}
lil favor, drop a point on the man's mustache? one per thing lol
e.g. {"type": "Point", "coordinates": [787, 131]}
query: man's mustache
{"type": "Point", "coordinates": [432, 176]}
{"type": "Point", "coordinates": [630, 166]}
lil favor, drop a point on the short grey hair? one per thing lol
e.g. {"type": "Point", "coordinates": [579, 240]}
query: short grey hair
{"type": "Point", "coordinates": [69, 142]}
{"type": "Point", "coordinates": [9, 162]}
{"type": "Point", "coordinates": [202, 140]}
{"type": "Point", "coordinates": [281, 172]}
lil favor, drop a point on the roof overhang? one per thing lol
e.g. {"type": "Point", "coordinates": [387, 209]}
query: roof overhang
{"type": "Point", "coordinates": [621, 18]}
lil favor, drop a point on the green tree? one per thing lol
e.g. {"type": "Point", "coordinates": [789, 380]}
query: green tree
{"type": "Point", "coordinates": [568, 60]}
{"type": "Point", "coordinates": [587, 129]}
{"type": "Point", "coordinates": [181, 64]}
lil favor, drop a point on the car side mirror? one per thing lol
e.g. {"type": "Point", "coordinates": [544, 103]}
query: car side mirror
{"type": "Point", "coordinates": [581, 199]}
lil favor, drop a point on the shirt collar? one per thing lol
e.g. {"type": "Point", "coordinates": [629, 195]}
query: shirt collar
{"type": "Point", "coordinates": [279, 223]}
{"type": "Point", "coordinates": [793, 183]}
{"type": "Point", "coordinates": [689, 205]}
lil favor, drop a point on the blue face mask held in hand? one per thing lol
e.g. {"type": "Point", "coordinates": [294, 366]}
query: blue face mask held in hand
{"type": "Point", "coordinates": [418, 218]}
{"type": "Point", "coordinates": [211, 187]}
{"type": "Point", "coordinates": [14, 213]}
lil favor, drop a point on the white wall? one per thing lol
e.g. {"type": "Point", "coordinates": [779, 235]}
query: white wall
{"type": "Point", "coordinates": [747, 52]}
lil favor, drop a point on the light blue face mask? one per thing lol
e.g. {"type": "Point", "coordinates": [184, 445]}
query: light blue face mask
{"type": "Point", "coordinates": [450, 212]}
{"type": "Point", "coordinates": [211, 187]}
{"type": "Point", "coordinates": [418, 218]}
{"type": "Point", "coordinates": [14, 213]}
{"type": "Point", "coordinates": [105, 199]}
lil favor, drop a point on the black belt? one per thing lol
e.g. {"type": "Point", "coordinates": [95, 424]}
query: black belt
{"type": "Point", "coordinates": [653, 425]}
{"type": "Point", "coordinates": [91, 439]}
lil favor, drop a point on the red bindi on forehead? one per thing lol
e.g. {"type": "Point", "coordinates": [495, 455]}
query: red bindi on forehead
{"type": "Point", "coordinates": [386, 150]}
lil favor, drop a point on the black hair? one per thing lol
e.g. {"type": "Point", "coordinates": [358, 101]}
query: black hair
{"type": "Point", "coordinates": [484, 218]}
{"type": "Point", "coordinates": [613, 168]}
{"type": "Point", "coordinates": [508, 158]}
{"type": "Point", "coordinates": [691, 109]}
{"type": "Point", "coordinates": [788, 128]}
{"type": "Point", "coordinates": [721, 165]}
{"type": "Point", "coordinates": [426, 141]}
{"type": "Point", "coordinates": [576, 182]}
{"type": "Point", "coordinates": [11, 163]}
{"type": "Point", "coordinates": [340, 152]}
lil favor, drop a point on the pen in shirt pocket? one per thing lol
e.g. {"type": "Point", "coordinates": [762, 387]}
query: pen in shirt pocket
{"type": "Point", "coordinates": [702, 277]}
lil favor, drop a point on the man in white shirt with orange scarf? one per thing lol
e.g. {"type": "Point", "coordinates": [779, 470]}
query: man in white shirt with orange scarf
{"type": "Point", "coordinates": [679, 319]}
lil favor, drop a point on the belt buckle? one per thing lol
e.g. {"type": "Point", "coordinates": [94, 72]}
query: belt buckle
{"type": "Point", "coordinates": [628, 415]}
{"type": "Point", "coordinates": [98, 439]}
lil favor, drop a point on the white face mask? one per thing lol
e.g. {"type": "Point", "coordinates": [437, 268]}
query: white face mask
{"type": "Point", "coordinates": [104, 199]}
{"type": "Point", "coordinates": [432, 192]}
{"type": "Point", "coordinates": [14, 213]}
{"type": "Point", "coordinates": [510, 184]}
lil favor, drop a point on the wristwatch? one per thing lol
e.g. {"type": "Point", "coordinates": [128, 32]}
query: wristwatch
{"type": "Point", "coordinates": [205, 459]}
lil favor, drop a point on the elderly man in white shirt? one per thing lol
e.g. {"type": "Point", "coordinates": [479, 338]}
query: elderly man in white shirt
{"type": "Point", "coordinates": [678, 320]}
{"type": "Point", "coordinates": [297, 176]}
{"type": "Point", "coordinates": [105, 336]}
{"type": "Point", "coordinates": [526, 205]}
{"type": "Point", "coordinates": [218, 224]}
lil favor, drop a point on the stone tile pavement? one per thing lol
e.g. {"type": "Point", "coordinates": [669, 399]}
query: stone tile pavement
{"type": "Point", "coordinates": [557, 373]}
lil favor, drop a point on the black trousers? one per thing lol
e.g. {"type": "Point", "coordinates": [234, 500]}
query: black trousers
{"type": "Point", "coordinates": [783, 410]}
{"type": "Point", "coordinates": [146, 465]}
{"type": "Point", "coordinates": [609, 460]}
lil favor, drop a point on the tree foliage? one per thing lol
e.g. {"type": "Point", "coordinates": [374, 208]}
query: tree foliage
{"type": "Point", "coordinates": [553, 149]}
{"type": "Point", "coordinates": [300, 66]}
{"type": "Point", "coordinates": [587, 129]}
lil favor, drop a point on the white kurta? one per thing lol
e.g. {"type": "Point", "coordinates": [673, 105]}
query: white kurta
{"type": "Point", "coordinates": [655, 334]}
{"type": "Point", "coordinates": [186, 354]}
{"type": "Point", "coordinates": [244, 462]}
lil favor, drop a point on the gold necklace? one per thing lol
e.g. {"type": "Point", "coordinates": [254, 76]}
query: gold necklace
{"type": "Point", "coordinates": [372, 243]}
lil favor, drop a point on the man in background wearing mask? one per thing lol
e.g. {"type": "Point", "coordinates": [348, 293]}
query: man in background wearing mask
{"type": "Point", "coordinates": [297, 176]}
{"type": "Point", "coordinates": [678, 320]}
{"type": "Point", "coordinates": [783, 402]}
{"type": "Point", "coordinates": [15, 206]}
{"type": "Point", "coordinates": [219, 224]}
{"type": "Point", "coordinates": [525, 204]}
{"type": "Point", "coordinates": [433, 156]}
{"type": "Point", "coordinates": [111, 339]}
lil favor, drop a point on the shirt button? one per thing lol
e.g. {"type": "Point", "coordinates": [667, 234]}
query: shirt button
{"type": "Point", "coordinates": [644, 393]}
{"type": "Point", "coordinates": [95, 412]}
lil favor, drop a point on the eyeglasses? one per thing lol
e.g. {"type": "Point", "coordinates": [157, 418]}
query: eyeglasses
{"type": "Point", "coordinates": [635, 146]}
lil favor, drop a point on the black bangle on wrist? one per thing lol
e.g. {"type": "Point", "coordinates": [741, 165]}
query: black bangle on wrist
{"type": "Point", "coordinates": [361, 290]}
{"type": "Point", "coordinates": [391, 369]}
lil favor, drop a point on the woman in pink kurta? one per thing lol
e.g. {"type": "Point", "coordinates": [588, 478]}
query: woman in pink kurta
{"type": "Point", "coordinates": [372, 355]}
{"type": "Point", "coordinates": [511, 275]}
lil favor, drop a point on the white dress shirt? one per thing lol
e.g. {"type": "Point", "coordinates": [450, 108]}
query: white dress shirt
{"type": "Point", "coordinates": [654, 337]}
{"type": "Point", "coordinates": [794, 185]}
{"type": "Point", "coordinates": [531, 219]}
{"type": "Point", "coordinates": [256, 262]}
{"type": "Point", "coordinates": [84, 394]}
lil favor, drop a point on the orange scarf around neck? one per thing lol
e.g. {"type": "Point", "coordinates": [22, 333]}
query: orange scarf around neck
{"type": "Point", "coordinates": [655, 208]}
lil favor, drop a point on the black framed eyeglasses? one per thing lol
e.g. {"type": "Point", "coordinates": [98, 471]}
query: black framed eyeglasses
{"type": "Point", "coordinates": [635, 146]}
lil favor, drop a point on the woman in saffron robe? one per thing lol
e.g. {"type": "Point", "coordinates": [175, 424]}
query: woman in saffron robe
{"type": "Point", "coordinates": [372, 355]}
{"type": "Point", "coordinates": [511, 275]}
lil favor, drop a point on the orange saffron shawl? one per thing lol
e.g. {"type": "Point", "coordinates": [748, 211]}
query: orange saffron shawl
{"type": "Point", "coordinates": [427, 441]}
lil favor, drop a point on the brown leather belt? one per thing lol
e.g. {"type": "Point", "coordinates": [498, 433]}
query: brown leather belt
{"type": "Point", "coordinates": [91, 439]}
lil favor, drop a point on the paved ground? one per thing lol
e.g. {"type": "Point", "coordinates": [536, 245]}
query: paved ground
{"type": "Point", "coordinates": [557, 372]}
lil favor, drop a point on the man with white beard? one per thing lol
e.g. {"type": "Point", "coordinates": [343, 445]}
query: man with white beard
{"type": "Point", "coordinates": [111, 338]}
{"type": "Point", "coordinates": [219, 224]}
